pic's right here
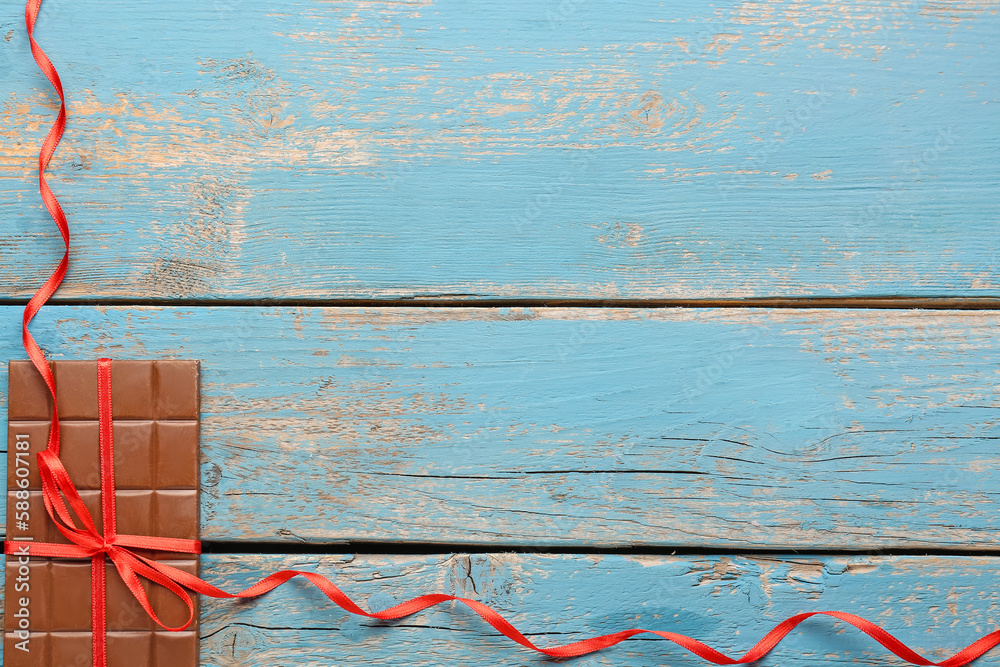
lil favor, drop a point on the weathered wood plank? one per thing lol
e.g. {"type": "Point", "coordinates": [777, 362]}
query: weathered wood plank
{"type": "Point", "coordinates": [514, 149]}
{"type": "Point", "coordinates": [808, 428]}
{"type": "Point", "coordinates": [937, 605]}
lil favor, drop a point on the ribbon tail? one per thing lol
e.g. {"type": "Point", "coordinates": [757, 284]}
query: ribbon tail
{"type": "Point", "coordinates": [50, 286]}
{"type": "Point", "coordinates": [586, 646]}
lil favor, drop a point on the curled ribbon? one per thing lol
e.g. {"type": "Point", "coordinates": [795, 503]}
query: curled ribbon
{"type": "Point", "coordinates": [86, 541]}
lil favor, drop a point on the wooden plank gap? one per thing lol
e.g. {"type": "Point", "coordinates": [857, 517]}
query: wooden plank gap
{"type": "Point", "coordinates": [871, 302]}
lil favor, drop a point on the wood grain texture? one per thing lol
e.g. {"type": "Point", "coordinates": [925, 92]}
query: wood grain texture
{"type": "Point", "coordinates": [594, 427]}
{"type": "Point", "coordinates": [521, 148]}
{"type": "Point", "coordinates": [937, 605]}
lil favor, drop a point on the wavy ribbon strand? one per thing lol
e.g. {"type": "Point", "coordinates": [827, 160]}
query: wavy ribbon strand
{"type": "Point", "coordinates": [88, 542]}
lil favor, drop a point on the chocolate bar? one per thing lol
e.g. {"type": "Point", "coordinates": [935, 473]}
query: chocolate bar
{"type": "Point", "coordinates": [155, 407]}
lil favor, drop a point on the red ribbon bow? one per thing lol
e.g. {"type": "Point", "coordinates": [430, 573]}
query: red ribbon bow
{"type": "Point", "coordinates": [88, 542]}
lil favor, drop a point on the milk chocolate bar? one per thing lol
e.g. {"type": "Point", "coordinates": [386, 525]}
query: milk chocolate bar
{"type": "Point", "coordinates": [155, 407]}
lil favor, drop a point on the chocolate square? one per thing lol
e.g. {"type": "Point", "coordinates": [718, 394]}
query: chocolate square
{"type": "Point", "coordinates": [156, 412]}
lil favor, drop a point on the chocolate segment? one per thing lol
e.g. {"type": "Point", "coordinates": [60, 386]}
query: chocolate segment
{"type": "Point", "coordinates": [156, 422]}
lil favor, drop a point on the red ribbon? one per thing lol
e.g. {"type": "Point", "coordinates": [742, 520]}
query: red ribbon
{"type": "Point", "coordinates": [88, 542]}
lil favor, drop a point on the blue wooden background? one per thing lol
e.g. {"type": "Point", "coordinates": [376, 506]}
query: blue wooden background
{"type": "Point", "coordinates": [471, 284]}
